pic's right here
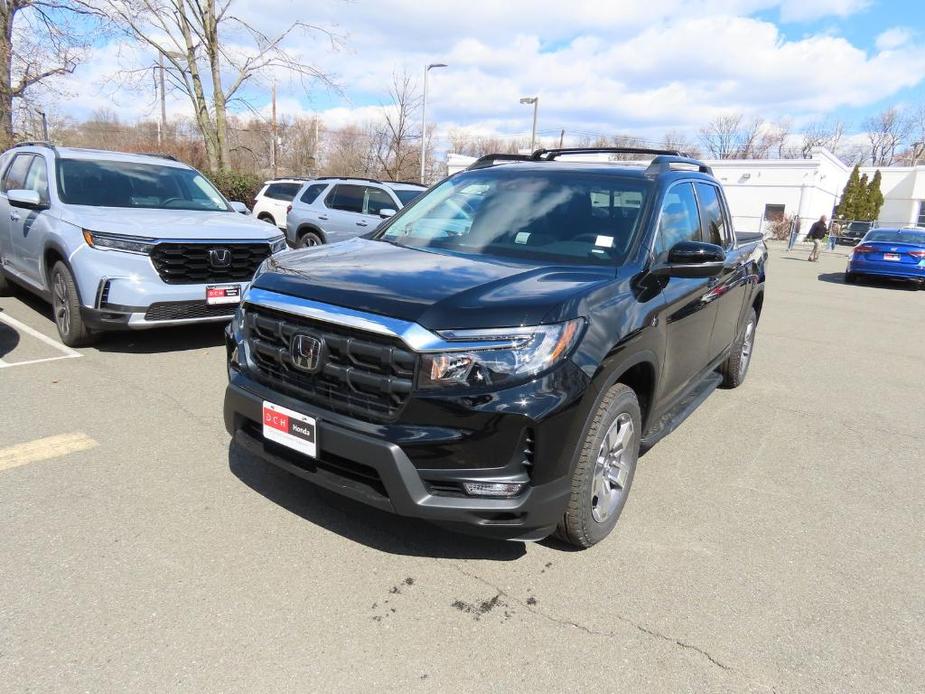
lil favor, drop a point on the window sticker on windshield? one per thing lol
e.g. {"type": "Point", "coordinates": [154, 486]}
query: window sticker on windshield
{"type": "Point", "coordinates": [604, 241]}
{"type": "Point", "coordinates": [522, 237]}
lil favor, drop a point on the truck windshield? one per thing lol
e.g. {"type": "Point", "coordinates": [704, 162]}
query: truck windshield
{"type": "Point", "coordinates": [103, 183]}
{"type": "Point", "coordinates": [552, 216]}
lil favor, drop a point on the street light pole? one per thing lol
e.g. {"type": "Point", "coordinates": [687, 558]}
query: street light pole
{"type": "Point", "coordinates": [424, 116]}
{"type": "Point", "coordinates": [535, 100]}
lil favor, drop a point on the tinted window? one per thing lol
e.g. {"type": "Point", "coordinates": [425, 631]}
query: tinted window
{"type": "Point", "coordinates": [347, 198]}
{"type": "Point", "coordinates": [407, 196]}
{"type": "Point", "coordinates": [544, 215]}
{"type": "Point", "coordinates": [282, 191]}
{"type": "Point", "coordinates": [37, 178]}
{"type": "Point", "coordinates": [378, 200]}
{"type": "Point", "coordinates": [15, 177]}
{"type": "Point", "coordinates": [897, 236]}
{"type": "Point", "coordinates": [312, 192]}
{"type": "Point", "coordinates": [128, 184]}
{"type": "Point", "coordinates": [679, 219]}
{"type": "Point", "coordinates": [714, 222]}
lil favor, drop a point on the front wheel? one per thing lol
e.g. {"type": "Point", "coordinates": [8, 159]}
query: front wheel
{"type": "Point", "coordinates": [309, 240]}
{"type": "Point", "coordinates": [604, 473]}
{"type": "Point", "coordinates": [66, 306]}
{"type": "Point", "coordinates": [735, 368]}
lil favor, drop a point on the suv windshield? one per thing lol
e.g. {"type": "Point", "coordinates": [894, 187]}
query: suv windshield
{"type": "Point", "coordinates": [127, 184]}
{"type": "Point", "coordinates": [557, 216]}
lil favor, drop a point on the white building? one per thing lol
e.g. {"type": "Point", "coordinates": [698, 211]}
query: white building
{"type": "Point", "coordinates": [759, 190]}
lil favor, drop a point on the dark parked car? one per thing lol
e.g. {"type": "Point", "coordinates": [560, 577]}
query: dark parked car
{"type": "Point", "coordinates": [494, 356]}
{"type": "Point", "coordinates": [852, 233]}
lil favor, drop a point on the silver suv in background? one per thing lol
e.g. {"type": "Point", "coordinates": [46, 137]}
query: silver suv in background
{"type": "Point", "coordinates": [118, 241]}
{"type": "Point", "coordinates": [330, 209]}
{"type": "Point", "coordinates": [273, 200]}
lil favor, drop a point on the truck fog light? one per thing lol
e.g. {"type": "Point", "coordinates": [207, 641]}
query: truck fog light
{"type": "Point", "coordinates": [493, 488]}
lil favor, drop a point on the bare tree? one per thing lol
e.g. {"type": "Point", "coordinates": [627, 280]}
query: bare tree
{"type": "Point", "coordinates": [210, 55]}
{"type": "Point", "coordinates": [675, 139]}
{"type": "Point", "coordinates": [397, 139]}
{"type": "Point", "coordinates": [721, 136]}
{"type": "Point", "coordinates": [39, 39]}
{"type": "Point", "coordinates": [886, 132]}
{"type": "Point", "coordinates": [821, 134]}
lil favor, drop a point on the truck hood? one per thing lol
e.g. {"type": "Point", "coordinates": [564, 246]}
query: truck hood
{"type": "Point", "coordinates": [435, 290]}
{"type": "Point", "coordinates": [169, 224]}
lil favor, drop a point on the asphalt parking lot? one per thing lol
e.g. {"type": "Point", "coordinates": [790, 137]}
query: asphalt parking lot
{"type": "Point", "coordinates": [772, 543]}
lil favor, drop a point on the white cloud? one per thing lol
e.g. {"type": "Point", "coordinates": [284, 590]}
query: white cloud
{"type": "Point", "coordinates": [894, 38]}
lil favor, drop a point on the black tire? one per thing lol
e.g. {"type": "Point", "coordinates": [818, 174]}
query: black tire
{"type": "Point", "coordinates": [735, 368]}
{"type": "Point", "coordinates": [850, 278]}
{"type": "Point", "coordinates": [5, 287]}
{"type": "Point", "coordinates": [266, 217]}
{"type": "Point", "coordinates": [66, 308]}
{"type": "Point", "coordinates": [583, 523]}
{"type": "Point", "coordinates": [309, 239]}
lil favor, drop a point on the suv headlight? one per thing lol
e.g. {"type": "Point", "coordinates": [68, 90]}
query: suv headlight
{"type": "Point", "coordinates": [278, 244]}
{"type": "Point", "coordinates": [118, 242]}
{"type": "Point", "coordinates": [509, 354]}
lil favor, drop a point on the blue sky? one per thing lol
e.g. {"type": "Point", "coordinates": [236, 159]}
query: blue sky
{"type": "Point", "coordinates": [635, 66]}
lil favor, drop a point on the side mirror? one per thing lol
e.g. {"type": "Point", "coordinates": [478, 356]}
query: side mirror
{"type": "Point", "coordinates": [240, 207]}
{"type": "Point", "coordinates": [693, 259]}
{"type": "Point", "coordinates": [29, 199]}
{"type": "Point", "coordinates": [387, 212]}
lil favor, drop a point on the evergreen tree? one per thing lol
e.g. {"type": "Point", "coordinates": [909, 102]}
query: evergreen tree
{"type": "Point", "coordinates": [862, 200]}
{"type": "Point", "coordinates": [847, 206]}
{"type": "Point", "coordinates": [875, 196]}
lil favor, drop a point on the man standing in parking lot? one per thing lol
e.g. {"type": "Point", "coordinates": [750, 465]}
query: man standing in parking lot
{"type": "Point", "coordinates": [817, 233]}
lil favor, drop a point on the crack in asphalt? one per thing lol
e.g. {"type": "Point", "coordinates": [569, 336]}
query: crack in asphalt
{"type": "Point", "coordinates": [596, 632]}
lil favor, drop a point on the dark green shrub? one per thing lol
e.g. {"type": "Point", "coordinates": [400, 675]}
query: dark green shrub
{"type": "Point", "coordinates": [236, 186]}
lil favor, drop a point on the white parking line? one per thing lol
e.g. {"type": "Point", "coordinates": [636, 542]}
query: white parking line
{"type": "Point", "coordinates": [22, 327]}
{"type": "Point", "coordinates": [43, 449]}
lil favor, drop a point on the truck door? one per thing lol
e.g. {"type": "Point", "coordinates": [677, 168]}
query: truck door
{"type": "Point", "coordinates": [689, 313]}
{"type": "Point", "coordinates": [11, 224]}
{"type": "Point", "coordinates": [729, 289]}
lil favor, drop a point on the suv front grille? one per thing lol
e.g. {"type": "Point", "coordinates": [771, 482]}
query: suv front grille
{"type": "Point", "coordinates": [362, 374]}
{"type": "Point", "coordinates": [189, 263]}
{"type": "Point", "coordinates": [185, 310]}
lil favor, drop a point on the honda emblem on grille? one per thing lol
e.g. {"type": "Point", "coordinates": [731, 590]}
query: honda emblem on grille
{"type": "Point", "coordinates": [219, 257]}
{"type": "Point", "coordinates": [305, 352]}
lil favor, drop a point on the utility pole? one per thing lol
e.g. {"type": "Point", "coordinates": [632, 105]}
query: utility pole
{"type": "Point", "coordinates": [44, 126]}
{"type": "Point", "coordinates": [273, 152]}
{"type": "Point", "coordinates": [424, 116]}
{"type": "Point", "coordinates": [561, 138]}
{"type": "Point", "coordinates": [535, 100]}
{"type": "Point", "coordinates": [315, 145]}
{"type": "Point", "coordinates": [162, 130]}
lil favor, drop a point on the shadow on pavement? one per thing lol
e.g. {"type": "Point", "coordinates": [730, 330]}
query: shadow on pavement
{"type": "Point", "coordinates": [360, 523]}
{"type": "Point", "coordinates": [175, 339]}
{"type": "Point", "coordinates": [9, 338]}
{"type": "Point", "coordinates": [881, 282]}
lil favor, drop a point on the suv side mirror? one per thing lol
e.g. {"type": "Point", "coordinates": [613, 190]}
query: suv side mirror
{"type": "Point", "coordinates": [387, 212]}
{"type": "Point", "coordinates": [693, 259]}
{"type": "Point", "coordinates": [30, 199]}
{"type": "Point", "coordinates": [239, 207]}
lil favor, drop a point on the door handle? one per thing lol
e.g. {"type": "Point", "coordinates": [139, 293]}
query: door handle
{"type": "Point", "coordinates": [323, 217]}
{"type": "Point", "coordinates": [362, 224]}
{"type": "Point", "coordinates": [14, 217]}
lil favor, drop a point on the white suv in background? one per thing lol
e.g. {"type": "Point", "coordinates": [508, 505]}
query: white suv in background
{"type": "Point", "coordinates": [274, 198]}
{"type": "Point", "coordinates": [330, 209]}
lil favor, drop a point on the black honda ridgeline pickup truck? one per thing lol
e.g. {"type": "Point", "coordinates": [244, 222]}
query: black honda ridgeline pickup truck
{"type": "Point", "coordinates": [493, 357]}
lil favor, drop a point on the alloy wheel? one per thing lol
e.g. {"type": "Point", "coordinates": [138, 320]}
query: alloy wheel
{"type": "Point", "coordinates": [62, 305]}
{"type": "Point", "coordinates": [612, 468]}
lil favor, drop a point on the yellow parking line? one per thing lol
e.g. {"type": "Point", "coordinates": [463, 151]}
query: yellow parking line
{"type": "Point", "coordinates": [43, 449]}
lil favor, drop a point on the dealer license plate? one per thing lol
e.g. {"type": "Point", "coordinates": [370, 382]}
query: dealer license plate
{"type": "Point", "coordinates": [223, 294]}
{"type": "Point", "coordinates": [290, 429]}
{"type": "Point", "coordinates": [891, 256]}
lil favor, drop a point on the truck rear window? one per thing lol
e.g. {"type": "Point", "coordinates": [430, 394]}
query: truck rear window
{"type": "Point", "coordinates": [555, 216]}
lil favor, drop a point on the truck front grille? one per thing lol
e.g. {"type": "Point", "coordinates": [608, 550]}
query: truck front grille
{"type": "Point", "coordinates": [192, 263]}
{"type": "Point", "coordinates": [361, 374]}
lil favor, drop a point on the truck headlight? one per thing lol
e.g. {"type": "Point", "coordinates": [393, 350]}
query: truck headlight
{"type": "Point", "coordinates": [278, 244]}
{"type": "Point", "coordinates": [118, 242]}
{"type": "Point", "coordinates": [508, 354]}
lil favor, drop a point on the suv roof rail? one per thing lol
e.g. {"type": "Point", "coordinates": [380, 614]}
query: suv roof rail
{"type": "Point", "coordinates": [36, 143]}
{"type": "Point", "coordinates": [408, 183]}
{"type": "Point", "coordinates": [550, 154]}
{"type": "Point", "coordinates": [289, 178]}
{"type": "Point", "coordinates": [492, 159]}
{"type": "Point", "coordinates": [159, 155]}
{"type": "Point", "coordinates": [347, 178]}
{"type": "Point", "coordinates": [671, 162]}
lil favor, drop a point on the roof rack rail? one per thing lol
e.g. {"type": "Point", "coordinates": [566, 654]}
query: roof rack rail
{"type": "Point", "coordinates": [36, 143]}
{"type": "Point", "coordinates": [407, 183]}
{"type": "Point", "coordinates": [550, 154]}
{"type": "Point", "coordinates": [159, 155]}
{"type": "Point", "coordinates": [492, 159]}
{"type": "Point", "coordinates": [673, 162]}
{"type": "Point", "coordinates": [289, 178]}
{"type": "Point", "coordinates": [347, 178]}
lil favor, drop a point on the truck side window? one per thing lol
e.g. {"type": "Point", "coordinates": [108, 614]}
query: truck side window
{"type": "Point", "coordinates": [679, 219]}
{"type": "Point", "coordinates": [714, 222]}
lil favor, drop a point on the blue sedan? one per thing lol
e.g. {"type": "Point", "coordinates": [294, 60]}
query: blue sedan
{"type": "Point", "coordinates": [889, 253]}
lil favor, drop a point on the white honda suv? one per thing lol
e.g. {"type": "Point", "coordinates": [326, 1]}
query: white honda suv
{"type": "Point", "coordinates": [123, 241]}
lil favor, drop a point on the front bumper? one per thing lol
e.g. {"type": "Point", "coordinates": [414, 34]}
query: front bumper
{"type": "Point", "coordinates": [390, 469]}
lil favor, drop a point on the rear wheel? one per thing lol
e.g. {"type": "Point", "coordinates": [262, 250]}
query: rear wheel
{"type": "Point", "coordinates": [265, 217]}
{"type": "Point", "coordinates": [66, 308]}
{"type": "Point", "coordinates": [735, 368]}
{"type": "Point", "coordinates": [604, 473]}
{"type": "Point", "coordinates": [310, 239]}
